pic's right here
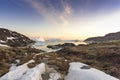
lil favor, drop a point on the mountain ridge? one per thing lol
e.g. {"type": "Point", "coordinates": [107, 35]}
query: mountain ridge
{"type": "Point", "coordinates": [13, 38]}
{"type": "Point", "coordinates": [108, 37]}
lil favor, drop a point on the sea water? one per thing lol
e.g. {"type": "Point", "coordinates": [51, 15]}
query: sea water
{"type": "Point", "coordinates": [43, 45]}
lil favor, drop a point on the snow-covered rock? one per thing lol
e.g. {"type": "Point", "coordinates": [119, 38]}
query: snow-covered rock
{"type": "Point", "coordinates": [34, 73]}
{"type": "Point", "coordinates": [17, 73]}
{"type": "Point", "coordinates": [13, 67]}
{"type": "Point", "coordinates": [77, 71]}
{"type": "Point", "coordinates": [22, 72]}
{"type": "Point", "coordinates": [80, 71]}
{"type": "Point", "coordinates": [54, 76]}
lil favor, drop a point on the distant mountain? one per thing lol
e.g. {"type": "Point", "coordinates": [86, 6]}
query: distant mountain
{"type": "Point", "coordinates": [53, 40]}
{"type": "Point", "coordinates": [14, 39]}
{"type": "Point", "coordinates": [69, 41]}
{"type": "Point", "coordinates": [108, 37]}
{"type": "Point", "coordinates": [60, 40]}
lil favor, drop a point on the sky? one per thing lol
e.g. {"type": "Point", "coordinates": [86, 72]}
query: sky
{"type": "Point", "coordinates": [64, 19]}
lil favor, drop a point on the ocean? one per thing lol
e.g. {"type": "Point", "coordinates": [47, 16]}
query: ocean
{"type": "Point", "coordinates": [43, 45]}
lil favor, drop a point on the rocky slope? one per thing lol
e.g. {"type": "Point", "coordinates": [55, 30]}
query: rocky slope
{"type": "Point", "coordinates": [14, 39]}
{"type": "Point", "coordinates": [108, 37]}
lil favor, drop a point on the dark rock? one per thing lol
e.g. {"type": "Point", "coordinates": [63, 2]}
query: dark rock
{"type": "Point", "coordinates": [58, 46]}
{"type": "Point", "coordinates": [54, 46]}
{"type": "Point", "coordinates": [85, 67]}
{"type": "Point", "coordinates": [68, 45]}
{"type": "Point", "coordinates": [31, 65]}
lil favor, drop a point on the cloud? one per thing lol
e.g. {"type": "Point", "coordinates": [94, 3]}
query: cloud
{"type": "Point", "coordinates": [64, 21]}
{"type": "Point", "coordinates": [42, 10]}
{"type": "Point", "coordinates": [67, 11]}
{"type": "Point", "coordinates": [52, 14]}
{"type": "Point", "coordinates": [67, 6]}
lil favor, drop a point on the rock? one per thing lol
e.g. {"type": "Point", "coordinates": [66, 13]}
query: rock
{"type": "Point", "coordinates": [85, 67]}
{"type": "Point", "coordinates": [54, 46]}
{"type": "Point", "coordinates": [31, 65]}
{"type": "Point", "coordinates": [58, 46]}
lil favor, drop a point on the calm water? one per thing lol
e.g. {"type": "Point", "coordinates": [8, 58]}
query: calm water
{"type": "Point", "coordinates": [43, 45]}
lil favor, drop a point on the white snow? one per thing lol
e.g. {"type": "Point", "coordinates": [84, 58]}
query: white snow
{"type": "Point", "coordinates": [76, 73]}
{"type": "Point", "coordinates": [2, 41]}
{"type": "Point", "coordinates": [3, 45]}
{"type": "Point", "coordinates": [4, 31]}
{"type": "Point", "coordinates": [37, 55]}
{"type": "Point", "coordinates": [17, 73]}
{"type": "Point", "coordinates": [24, 73]}
{"type": "Point", "coordinates": [13, 67]}
{"type": "Point", "coordinates": [34, 73]}
{"type": "Point", "coordinates": [54, 76]}
{"type": "Point", "coordinates": [17, 60]}
{"type": "Point", "coordinates": [10, 38]}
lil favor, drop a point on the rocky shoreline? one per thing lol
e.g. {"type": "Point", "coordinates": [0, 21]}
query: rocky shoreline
{"type": "Point", "coordinates": [102, 56]}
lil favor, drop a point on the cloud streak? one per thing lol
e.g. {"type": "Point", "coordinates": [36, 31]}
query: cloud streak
{"type": "Point", "coordinates": [51, 14]}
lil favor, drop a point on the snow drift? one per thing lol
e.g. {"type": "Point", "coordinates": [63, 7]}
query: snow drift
{"type": "Point", "coordinates": [24, 73]}
{"type": "Point", "coordinates": [80, 71]}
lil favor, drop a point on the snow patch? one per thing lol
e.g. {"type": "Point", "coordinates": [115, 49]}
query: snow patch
{"type": "Point", "coordinates": [17, 61]}
{"type": "Point", "coordinates": [3, 45]}
{"type": "Point", "coordinates": [4, 31]}
{"type": "Point", "coordinates": [34, 73]}
{"type": "Point", "coordinates": [2, 41]}
{"type": "Point", "coordinates": [17, 73]}
{"type": "Point", "coordinates": [13, 67]}
{"type": "Point", "coordinates": [54, 76]}
{"type": "Point", "coordinates": [10, 38]}
{"type": "Point", "coordinates": [76, 73]}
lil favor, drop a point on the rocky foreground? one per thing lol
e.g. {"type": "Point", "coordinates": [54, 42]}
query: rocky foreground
{"type": "Point", "coordinates": [102, 56]}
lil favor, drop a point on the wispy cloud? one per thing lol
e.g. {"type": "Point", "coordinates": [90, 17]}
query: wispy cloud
{"type": "Point", "coordinates": [67, 11]}
{"type": "Point", "coordinates": [51, 14]}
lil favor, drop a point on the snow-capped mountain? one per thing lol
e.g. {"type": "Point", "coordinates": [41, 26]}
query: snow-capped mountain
{"type": "Point", "coordinates": [14, 39]}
